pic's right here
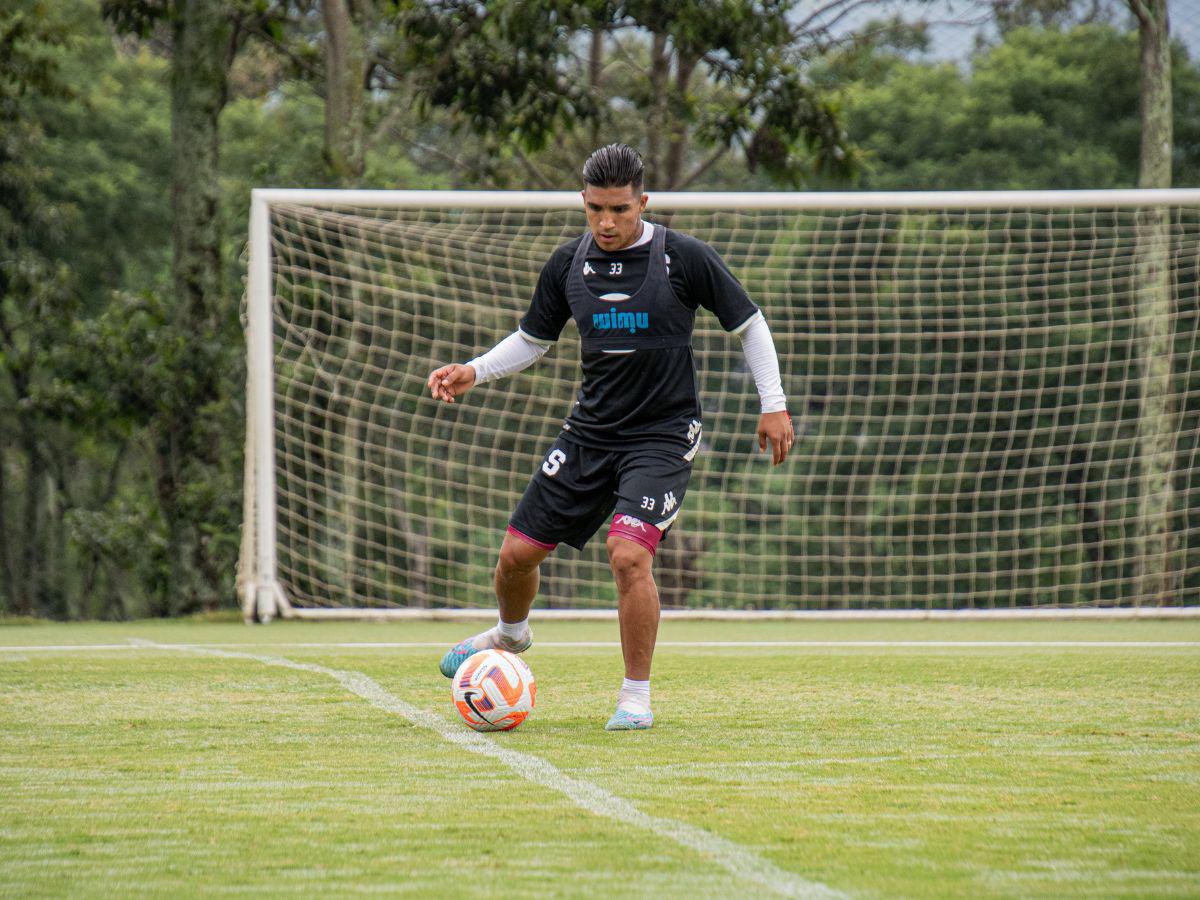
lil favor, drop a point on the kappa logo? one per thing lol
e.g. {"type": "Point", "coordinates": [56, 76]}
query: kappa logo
{"type": "Point", "coordinates": [693, 430]}
{"type": "Point", "coordinates": [587, 268]}
{"type": "Point", "coordinates": [631, 522]}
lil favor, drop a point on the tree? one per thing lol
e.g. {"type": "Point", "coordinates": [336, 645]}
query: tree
{"type": "Point", "coordinates": [345, 86]}
{"type": "Point", "coordinates": [194, 476]}
{"type": "Point", "coordinates": [1154, 35]}
{"type": "Point", "coordinates": [1157, 424]}
{"type": "Point", "coordinates": [1155, 69]}
{"type": "Point", "coordinates": [72, 499]}
{"type": "Point", "coordinates": [40, 304]}
{"type": "Point", "coordinates": [688, 81]}
{"type": "Point", "coordinates": [1044, 109]}
{"type": "Point", "coordinates": [1085, 107]}
{"type": "Point", "coordinates": [1056, 14]}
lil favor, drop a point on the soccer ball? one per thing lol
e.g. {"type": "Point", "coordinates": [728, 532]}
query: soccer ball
{"type": "Point", "coordinates": [494, 690]}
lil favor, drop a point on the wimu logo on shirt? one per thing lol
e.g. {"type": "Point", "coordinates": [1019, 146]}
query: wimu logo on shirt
{"type": "Point", "coordinates": [620, 321]}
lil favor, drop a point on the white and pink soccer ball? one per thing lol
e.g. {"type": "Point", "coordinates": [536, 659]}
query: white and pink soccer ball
{"type": "Point", "coordinates": [494, 690]}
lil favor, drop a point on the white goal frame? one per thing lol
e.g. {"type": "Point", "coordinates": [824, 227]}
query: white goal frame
{"type": "Point", "coordinates": [261, 593]}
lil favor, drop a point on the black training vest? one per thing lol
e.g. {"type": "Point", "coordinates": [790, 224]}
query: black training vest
{"type": "Point", "coordinates": [651, 319]}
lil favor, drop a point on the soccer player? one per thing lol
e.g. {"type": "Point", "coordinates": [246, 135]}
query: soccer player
{"type": "Point", "coordinates": [625, 453]}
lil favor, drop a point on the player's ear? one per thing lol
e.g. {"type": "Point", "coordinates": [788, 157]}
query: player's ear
{"type": "Point", "coordinates": [642, 203]}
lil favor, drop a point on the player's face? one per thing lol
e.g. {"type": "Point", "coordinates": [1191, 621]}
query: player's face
{"type": "Point", "coordinates": [614, 214]}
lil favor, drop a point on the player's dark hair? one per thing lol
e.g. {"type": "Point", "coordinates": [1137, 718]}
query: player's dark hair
{"type": "Point", "coordinates": [614, 166]}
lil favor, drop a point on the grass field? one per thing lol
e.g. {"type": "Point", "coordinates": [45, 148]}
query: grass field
{"type": "Point", "coordinates": [990, 763]}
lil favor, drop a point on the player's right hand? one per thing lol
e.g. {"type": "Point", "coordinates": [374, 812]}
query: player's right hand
{"type": "Point", "coordinates": [451, 381]}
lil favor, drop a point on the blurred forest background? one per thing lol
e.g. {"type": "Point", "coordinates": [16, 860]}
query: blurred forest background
{"type": "Point", "coordinates": [131, 133]}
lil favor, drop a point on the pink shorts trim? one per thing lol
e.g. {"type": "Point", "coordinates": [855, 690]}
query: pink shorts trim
{"type": "Point", "coordinates": [527, 539]}
{"type": "Point", "coordinates": [634, 529]}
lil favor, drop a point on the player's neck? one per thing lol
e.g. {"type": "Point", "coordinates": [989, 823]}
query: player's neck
{"type": "Point", "coordinates": [641, 237]}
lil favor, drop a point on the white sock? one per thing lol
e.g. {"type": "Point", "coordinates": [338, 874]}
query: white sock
{"type": "Point", "coordinates": [515, 630]}
{"type": "Point", "coordinates": [503, 635]}
{"type": "Point", "coordinates": [634, 696]}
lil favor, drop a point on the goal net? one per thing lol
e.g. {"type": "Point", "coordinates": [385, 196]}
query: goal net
{"type": "Point", "coordinates": [996, 400]}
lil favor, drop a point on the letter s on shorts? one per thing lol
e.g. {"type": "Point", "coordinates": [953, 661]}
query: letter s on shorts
{"type": "Point", "coordinates": [553, 461]}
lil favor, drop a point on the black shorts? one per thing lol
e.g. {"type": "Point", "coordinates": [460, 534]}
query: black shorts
{"type": "Point", "coordinates": [576, 489]}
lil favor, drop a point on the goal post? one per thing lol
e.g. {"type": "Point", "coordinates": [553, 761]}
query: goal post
{"type": "Point", "coordinates": [996, 395]}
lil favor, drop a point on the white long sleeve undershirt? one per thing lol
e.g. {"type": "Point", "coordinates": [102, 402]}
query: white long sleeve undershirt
{"type": "Point", "coordinates": [759, 349]}
{"type": "Point", "coordinates": [516, 352]}
{"type": "Point", "coordinates": [519, 351]}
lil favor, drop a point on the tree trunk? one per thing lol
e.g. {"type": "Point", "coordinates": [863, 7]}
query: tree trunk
{"type": "Point", "coordinates": [199, 70]}
{"type": "Point", "coordinates": [595, 78]}
{"type": "Point", "coordinates": [660, 65]}
{"type": "Point", "coordinates": [57, 586]}
{"type": "Point", "coordinates": [678, 568]}
{"type": "Point", "coordinates": [30, 593]}
{"type": "Point", "coordinates": [1156, 111]}
{"type": "Point", "coordinates": [676, 124]}
{"type": "Point", "coordinates": [1156, 422]}
{"type": "Point", "coordinates": [8, 594]}
{"type": "Point", "coordinates": [345, 71]}
{"type": "Point", "coordinates": [1156, 432]}
{"type": "Point", "coordinates": [416, 543]}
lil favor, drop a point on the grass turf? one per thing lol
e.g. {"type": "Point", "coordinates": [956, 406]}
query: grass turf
{"type": "Point", "coordinates": [878, 771]}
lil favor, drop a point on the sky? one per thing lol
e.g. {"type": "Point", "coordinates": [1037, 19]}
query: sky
{"type": "Point", "coordinates": [954, 24]}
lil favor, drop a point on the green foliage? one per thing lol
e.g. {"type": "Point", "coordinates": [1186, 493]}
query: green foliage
{"type": "Point", "coordinates": [102, 379]}
{"type": "Point", "coordinates": [254, 155]}
{"type": "Point", "coordinates": [139, 17]}
{"type": "Point", "coordinates": [108, 149]}
{"type": "Point", "coordinates": [700, 78]}
{"type": "Point", "coordinates": [90, 169]}
{"type": "Point", "coordinates": [969, 421]}
{"type": "Point", "coordinates": [36, 300]}
{"type": "Point", "coordinates": [1044, 109]}
{"type": "Point", "coordinates": [29, 72]}
{"type": "Point", "coordinates": [498, 65]}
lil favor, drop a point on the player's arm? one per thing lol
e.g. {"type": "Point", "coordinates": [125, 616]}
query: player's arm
{"type": "Point", "coordinates": [516, 352]}
{"type": "Point", "coordinates": [774, 423]}
{"type": "Point", "coordinates": [714, 287]}
{"type": "Point", "coordinates": [548, 313]}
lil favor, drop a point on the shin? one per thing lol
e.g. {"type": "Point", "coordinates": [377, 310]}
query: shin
{"type": "Point", "coordinates": [517, 575]}
{"type": "Point", "coordinates": [638, 607]}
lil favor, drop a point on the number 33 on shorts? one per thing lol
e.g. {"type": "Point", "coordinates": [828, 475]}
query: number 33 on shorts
{"type": "Point", "coordinates": [668, 504]}
{"type": "Point", "coordinates": [554, 461]}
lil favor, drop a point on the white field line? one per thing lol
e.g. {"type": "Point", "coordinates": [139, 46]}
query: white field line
{"type": "Point", "coordinates": [402, 645]}
{"type": "Point", "coordinates": [738, 860]}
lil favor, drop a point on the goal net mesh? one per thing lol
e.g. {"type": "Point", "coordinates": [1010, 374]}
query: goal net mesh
{"type": "Point", "coordinates": [993, 408]}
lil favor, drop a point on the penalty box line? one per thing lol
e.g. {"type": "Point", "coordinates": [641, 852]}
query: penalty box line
{"type": "Point", "coordinates": [734, 858]}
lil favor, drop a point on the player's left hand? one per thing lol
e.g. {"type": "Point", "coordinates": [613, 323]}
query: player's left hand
{"type": "Point", "coordinates": [450, 381]}
{"type": "Point", "coordinates": [776, 427]}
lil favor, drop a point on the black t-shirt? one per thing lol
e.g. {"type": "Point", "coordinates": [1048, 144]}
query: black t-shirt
{"type": "Point", "coordinates": [643, 396]}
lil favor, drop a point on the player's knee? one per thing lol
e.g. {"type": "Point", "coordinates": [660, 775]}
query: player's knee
{"type": "Point", "coordinates": [519, 558]}
{"type": "Point", "coordinates": [629, 560]}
